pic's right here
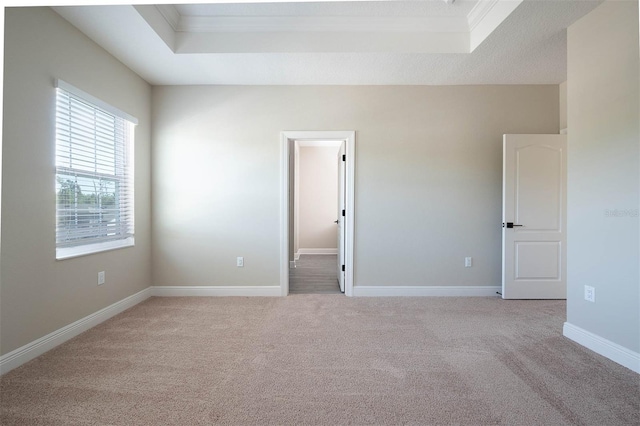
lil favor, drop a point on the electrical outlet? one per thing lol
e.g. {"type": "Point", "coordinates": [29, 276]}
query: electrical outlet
{"type": "Point", "coordinates": [101, 277]}
{"type": "Point", "coordinates": [240, 262]}
{"type": "Point", "coordinates": [589, 294]}
{"type": "Point", "coordinates": [468, 262]}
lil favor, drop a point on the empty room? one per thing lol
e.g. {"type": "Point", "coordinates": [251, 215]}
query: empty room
{"type": "Point", "coordinates": [321, 212]}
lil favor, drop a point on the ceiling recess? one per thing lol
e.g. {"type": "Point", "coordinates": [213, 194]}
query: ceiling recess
{"type": "Point", "coordinates": [383, 42]}
{"type": "Point", "coordinates": [461, 28]}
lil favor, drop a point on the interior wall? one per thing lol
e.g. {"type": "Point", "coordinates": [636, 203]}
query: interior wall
{"type": "Point", "coordinates": [38, 293]}
{"type": "Point", "coordinates": [428, 177]}
{"type": "Point", "coordinates": [318, 197]}
{"type": "Point", "coordinates": [603, 170]}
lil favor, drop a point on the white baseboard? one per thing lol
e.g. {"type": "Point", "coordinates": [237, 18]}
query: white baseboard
{"type": "Point", "coordinates": [602, 346]}
{"type": "Point", "coordinates": [292, 264]}
{"type": "Point", "coordinates": [296, 256]}
{"type": "Point", "coordinates": [36, 348]}
{"type": "Point", "coordinates": [317, 251]}
{"type": "Point", "coordinates": [170, 291]}
{"type": "Point", "coordinates": [444, 291]}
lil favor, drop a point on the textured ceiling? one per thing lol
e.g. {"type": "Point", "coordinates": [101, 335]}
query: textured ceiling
{"type": "Point", "coordinates": [529, 47]}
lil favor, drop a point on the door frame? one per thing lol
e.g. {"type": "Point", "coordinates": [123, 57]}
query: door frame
{"type": "Point", "coordinates": [287, 140]}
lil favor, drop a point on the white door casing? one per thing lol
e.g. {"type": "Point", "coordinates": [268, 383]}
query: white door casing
{"type": "Point", "coordinates": [287, 139]}
{"type": "Point", "coordinates": [534, 217]}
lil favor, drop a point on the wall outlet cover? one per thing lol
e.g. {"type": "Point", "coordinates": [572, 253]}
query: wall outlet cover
{"type": "Point", "coordinates": [589, 293]}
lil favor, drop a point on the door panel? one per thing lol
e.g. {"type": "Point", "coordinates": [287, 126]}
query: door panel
{"type": "Point", "coordinates": [538, 260]}
{"type": "Point", "coordinates": [538, 187]}
{"type": "Point", "coordinates": [534, 200]}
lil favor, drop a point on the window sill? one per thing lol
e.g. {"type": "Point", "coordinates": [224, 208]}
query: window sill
{"type": "Point", "coordinates": [84, 250]}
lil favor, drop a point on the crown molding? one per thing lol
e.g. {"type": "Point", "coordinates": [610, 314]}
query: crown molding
{"type": "Point", "coordinates": [479, 13]}
{"type": "Point", "coordinates": [485, 17]}
{"type": "Point", "coordinates": [187, 23]}
{"type": "Point", "coordinates": [170, 14]}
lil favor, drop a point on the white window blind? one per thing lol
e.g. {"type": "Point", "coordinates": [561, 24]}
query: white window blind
{"type": "Point", "coordinates": [94, 174]}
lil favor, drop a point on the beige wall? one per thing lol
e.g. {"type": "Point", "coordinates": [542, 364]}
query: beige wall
{"type": "Point", "coordinates": [428, 177]}
{"type": "Point", "coordinates": [318, 197]}
{"type": "Point", "coordinates": [39, 294]}
{"type": "Point", "coordinates": [603, 170]}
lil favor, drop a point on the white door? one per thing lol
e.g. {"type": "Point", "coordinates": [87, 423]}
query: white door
{"type": "Point", "coordinates": [341, 212]}
{"type": "Point", "coordinates": [534, 200]}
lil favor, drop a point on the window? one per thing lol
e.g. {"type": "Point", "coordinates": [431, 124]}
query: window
{"type": "Point", "coordinates": [94, 174]}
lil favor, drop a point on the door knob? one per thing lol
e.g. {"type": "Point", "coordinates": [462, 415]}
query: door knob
{"type": "Point", "coordinates": [509, 225]}
{"type": "Point", "coordinates": [335, 221]}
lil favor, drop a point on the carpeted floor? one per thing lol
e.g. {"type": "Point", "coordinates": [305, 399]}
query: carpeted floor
{"type": "Point", "coordinates": [324, 360]}
{"type": "Point", "coordinates": [315, 274]}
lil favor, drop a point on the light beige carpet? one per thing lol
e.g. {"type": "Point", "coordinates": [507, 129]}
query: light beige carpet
{"type": "Point", "coordinates": [324, 359]}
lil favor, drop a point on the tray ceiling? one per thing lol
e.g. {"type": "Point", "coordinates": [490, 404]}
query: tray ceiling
{"type": "Point", "coordinates": [333, 42]}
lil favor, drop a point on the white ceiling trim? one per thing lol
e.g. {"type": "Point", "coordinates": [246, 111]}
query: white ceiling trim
{"type": "Point", "coordinates": [479, 12]}
{"type": "Point", "coordinates": [185, 23]}
{"type": "Point", "coordinates": [170, 13]}
{"type": "Point", "coordinates": [486, 16]}
{"type": "Point", "coordinates": [280, 34]}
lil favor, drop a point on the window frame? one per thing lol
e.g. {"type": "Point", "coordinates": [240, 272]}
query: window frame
{"type": "Point", "coordinates": [127, 177]}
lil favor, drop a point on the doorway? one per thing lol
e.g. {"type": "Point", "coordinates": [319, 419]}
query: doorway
{"type": "Point", "coordinates": [316, 231]}
{"type": "Point", "coordinates": [345, 213]}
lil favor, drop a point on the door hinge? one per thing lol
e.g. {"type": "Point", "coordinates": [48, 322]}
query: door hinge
{"type": "Point", "coordinates": [343, 212]}
{"type": "Point", "coordinates": [342, 268]}
{"type": "Point", "coordinates": [344, 157]}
